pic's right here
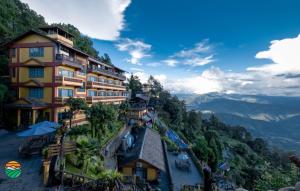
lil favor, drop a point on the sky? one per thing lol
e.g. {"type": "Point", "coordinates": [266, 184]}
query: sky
{"type": "Point", "coordinates": [193, 46]}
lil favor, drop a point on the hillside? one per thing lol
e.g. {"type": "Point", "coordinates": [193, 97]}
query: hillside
{"type": "Point", "coordinates": [274, 118]}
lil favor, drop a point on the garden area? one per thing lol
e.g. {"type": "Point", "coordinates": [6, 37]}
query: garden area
{"type": "Point", "coordinates": [105, 121]}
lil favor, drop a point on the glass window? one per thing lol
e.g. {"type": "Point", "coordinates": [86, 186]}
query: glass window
{"type": "Point", "coordinates": [65, 92]}
{"type": "Point", "coordinates": [36, 52]}
{"type": "Point", "coordinates": [36, 72]}
{"type": "Point", "coordinates": [101, 93]}
{"type": "Point", "coordinates": [92, 93]}
{"type": "Point", "coordinates": [92, 78]}
{"type": "Point", "coordinates": [64, 72]}
{"type": "Point", "coordinates": [36, 93]}
{"type": "Point", "coordinates": [82, 88]}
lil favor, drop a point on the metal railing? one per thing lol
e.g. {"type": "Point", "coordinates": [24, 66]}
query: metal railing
{"type": "Point", "coordinates": [69, 60]}
{"type": "Point", "coordinates": [106, 72]}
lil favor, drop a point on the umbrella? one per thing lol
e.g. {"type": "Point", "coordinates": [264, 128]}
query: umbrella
{"type": "Point", "coordinates": [42, 128]}
{"type": "Point", "coordinates": [46, 124]}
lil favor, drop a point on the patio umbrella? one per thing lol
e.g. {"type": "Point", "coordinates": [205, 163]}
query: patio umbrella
{"type": "Point", "coordinates": [46, 124]}
{"type": "Point", "coordinates": [38, 129]}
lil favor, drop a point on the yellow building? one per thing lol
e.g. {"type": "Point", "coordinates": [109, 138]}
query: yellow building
{"type": "Point", "coordinates": [46, 70]}
{"type": "Point", "coordinates": [145, 159]}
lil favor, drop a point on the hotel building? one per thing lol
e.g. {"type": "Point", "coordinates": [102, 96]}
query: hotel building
{"type": "Point", "coordinates": [46, 69]}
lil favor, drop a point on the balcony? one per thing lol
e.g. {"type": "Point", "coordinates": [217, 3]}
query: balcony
{"type": "Point", "coordinates": [63, 100]}
{"type": "Point", "coordinates": [107, 73]}
{"type": "Point", "coordinates": [69, 61]}
{"type": "Point", "coordinates": [68, 81]}
{"type": "Point", "coordinates": [95, 99]}
{"type": "Point", "coordinates": [103, 85]}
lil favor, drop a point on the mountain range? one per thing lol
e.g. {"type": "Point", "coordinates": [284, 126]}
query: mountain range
{"type": "Point", "coordinates": [274, 118]}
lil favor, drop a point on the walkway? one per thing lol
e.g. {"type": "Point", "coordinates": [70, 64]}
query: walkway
{"type": "Point", "coordinates": [30, 179]}
{"type": "Point", "coordinates": [111, 147]}
{"type": "Point", "coordinates": [180, 177]}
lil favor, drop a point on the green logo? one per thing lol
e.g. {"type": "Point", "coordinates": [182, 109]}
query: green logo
{"type": "Point", "coordinates": [13, 169]}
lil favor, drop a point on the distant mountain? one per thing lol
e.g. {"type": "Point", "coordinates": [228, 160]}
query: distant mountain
{"type": "Point", "coordinates": [275, 118]}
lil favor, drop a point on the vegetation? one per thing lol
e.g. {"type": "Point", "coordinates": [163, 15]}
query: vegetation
{"type": "Point", "coordinates": [253, 164]}
{"type": "Point", "coordinates": [90, 139]}
{"type": "Point", "coordinates": [75, 105]}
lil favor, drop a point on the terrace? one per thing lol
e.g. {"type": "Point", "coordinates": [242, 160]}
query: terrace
{"type": "Point", "coordinates": [106, 73]}
{"type": "Point", "coordinates": [68, 61]}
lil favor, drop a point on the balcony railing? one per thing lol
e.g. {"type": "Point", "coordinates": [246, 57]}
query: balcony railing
{"type": "Point", "coordinates": [94, 99]}
{"type": "Point", "coordinates": [65, 80]}
{"type": "Point", "coordinates": [70, 61]}
{"type": "Point", "coordinates": [107, 73]}
{"type": "Point", "coordinates": [63, 100]}
{"type": "Point", "coordinates": [108, 85]}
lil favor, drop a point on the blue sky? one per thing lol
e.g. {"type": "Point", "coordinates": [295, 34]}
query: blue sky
{"type": "Point", "coordinates": [196, 46]}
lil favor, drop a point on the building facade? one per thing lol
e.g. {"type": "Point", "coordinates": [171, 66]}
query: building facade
{"type": "Point", "coordinates": [46, 69]}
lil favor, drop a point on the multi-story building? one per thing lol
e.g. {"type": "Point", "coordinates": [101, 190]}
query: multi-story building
{"type": "Point", "coordinates": [46, 70]}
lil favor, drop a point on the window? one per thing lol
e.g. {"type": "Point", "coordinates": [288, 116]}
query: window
{"type": "Point", "coordinates": [92, 78]}
{"type": "Point", "coordinates": [92, 93]}
{"type": "Point", "coordinates": [101, 80]}
{"type": "Point", "coordinates": [65, 92]}
{"type": "Point", "coordinates": [36, 52]}
{"type": "Point", "coordinates": [36, 93]}
{"type": "Point", "coordinates": [13, 52]}
{"type": "Point", "coordinates": [101, 93]}
{"type": "Point", "coordinates": [82, 88]}
{"type": "Point", "coordinates": [36, 72]}
{"type": "Point", "coordinates": [64, 72]}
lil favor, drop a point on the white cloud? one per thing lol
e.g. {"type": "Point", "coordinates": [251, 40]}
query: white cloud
{"type": "Point", "coordinates": [249, 82]}
{"type": "Point", "coordinates": [280, 77]}
{"type": "Point", "coordinates": [199, 48]}
{"type": "Point", "coordinates": [170, 62]}
{"type": "Point", "coordinates": [135, 48]}
{"type": "Point", "coordinates": [284, 54]}
{"type": "Point", "coordinates": [153, 64]}
{"type": "Point", "coordinates": [199, 55]}
{"type": "Point", "coordinates": [199, 61]}
{"type": "Point", "coordinates": [161, 78]}
{"type": "Point", "coordinates": [101, 19]}
{"type": "Point", "coordinates": [143, 76]}
{"type": "Point", "coordinates": [137, 69]}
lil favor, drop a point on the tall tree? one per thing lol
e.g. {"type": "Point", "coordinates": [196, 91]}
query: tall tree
{"type": "Point", "coordinates": [100, 115]}
{"type": "Point", "coordinates": [135, 85]}
{"type": "Point", "coordinates": [75, 105]}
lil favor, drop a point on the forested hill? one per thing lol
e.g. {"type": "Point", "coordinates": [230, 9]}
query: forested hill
{"type": "Point", "coordinates": [252, 163]}
{"type": "Point", "coordinates": [16, 18]}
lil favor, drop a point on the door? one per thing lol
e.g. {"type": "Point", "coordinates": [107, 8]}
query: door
{"type": "Point", "coordinates": [26, 117]}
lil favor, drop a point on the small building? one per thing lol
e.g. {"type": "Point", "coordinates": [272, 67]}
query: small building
{"type": "Point", "coordinates": [145, 160]}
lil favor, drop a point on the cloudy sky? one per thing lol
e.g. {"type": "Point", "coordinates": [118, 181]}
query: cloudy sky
{"type": "Point", "coordinates": [195, 46]}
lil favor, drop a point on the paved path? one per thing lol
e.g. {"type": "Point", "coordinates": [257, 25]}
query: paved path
{"type": "Point", "coordinates": [180, 177]}
{"type": "Point", "coordinates": [110, 149]}
{"type": "Point", "coordinates": [30, 179]}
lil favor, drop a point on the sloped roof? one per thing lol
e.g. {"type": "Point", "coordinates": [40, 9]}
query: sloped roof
{"type": "Point", "coordinates": [148, 148]}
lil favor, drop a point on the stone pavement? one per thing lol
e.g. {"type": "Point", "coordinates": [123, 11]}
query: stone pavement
{"type": "Point", "coordinates": [31, 177]}
{"type": "Point", "coordinates": [180, 177]}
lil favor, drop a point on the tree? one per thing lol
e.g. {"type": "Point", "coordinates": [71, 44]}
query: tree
{"type": "Point", "coordinates": [75, 105]}
{"type": "Point", "coordinates": [155, 86]}
{"type": "Point", "coordinates": [123, 108]}
{"type": "Point", "coordinates": [106, 59]}
{"type": "Point", "coordinates": [134, 85]}
{"type": "Point", "coordinates": [100, 115]}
